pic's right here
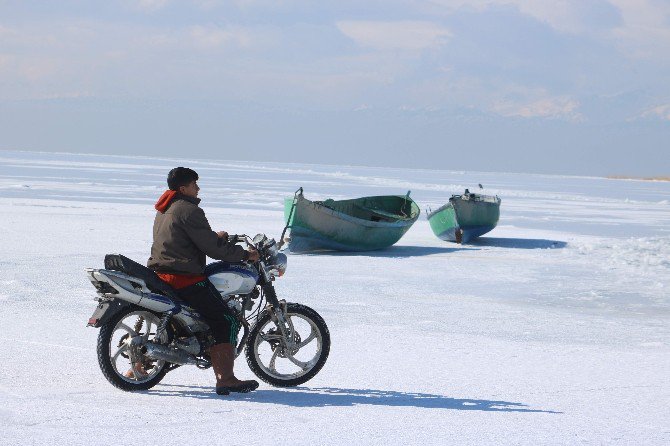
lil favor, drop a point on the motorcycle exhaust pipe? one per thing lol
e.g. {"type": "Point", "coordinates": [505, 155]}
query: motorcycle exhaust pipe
{"type": "Point", "coordinates": [167, 354]}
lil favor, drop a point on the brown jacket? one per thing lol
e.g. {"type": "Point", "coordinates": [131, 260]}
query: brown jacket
{"type": "Point", "coordinates": [183, 238]}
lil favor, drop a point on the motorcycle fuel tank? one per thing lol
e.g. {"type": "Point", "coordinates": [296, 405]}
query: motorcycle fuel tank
{"type": "Point", "coordinates": [232, 278]}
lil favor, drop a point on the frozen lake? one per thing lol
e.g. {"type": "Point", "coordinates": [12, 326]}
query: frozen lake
{"type": "Point", "coordinates": [552, 329]}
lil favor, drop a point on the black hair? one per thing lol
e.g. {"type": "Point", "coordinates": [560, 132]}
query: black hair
{"type": "Point", "coordinates": [181, 176]}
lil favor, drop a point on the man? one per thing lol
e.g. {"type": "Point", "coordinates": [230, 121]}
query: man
{"type": "Point", "coordinates": [183, 239]}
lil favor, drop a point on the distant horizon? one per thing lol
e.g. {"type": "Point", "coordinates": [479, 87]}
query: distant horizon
{"type": "Point", "coordinates": [366, 166]}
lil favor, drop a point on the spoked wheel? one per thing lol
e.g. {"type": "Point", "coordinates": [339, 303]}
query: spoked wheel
{"type": "Point", "coordinates": [288, 362]}
{"type": "Point", "coordinates": [120, 344]}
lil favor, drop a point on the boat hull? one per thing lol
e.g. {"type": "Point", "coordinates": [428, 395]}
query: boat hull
{"type": "Point", "coordinates": [464, 219]}
{"type": "Point", "coordinates": [366, 225]}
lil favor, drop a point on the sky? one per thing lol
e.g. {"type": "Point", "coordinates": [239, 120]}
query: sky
{"type": "Point", "coordinates": [567, 86]}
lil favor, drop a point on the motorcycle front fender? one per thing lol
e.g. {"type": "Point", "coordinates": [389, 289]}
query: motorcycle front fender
{"type": "Point", "coordinates": [106, 310]}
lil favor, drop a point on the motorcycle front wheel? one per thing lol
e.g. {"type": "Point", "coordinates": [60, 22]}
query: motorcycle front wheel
{"type": "Point", "coordinates": [288, 363]}
{"type": "Point", "coordinates": [115, 341]}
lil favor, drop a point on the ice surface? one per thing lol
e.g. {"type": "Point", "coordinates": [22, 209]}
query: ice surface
{"type": "Point", "coordinates": [552, 329]}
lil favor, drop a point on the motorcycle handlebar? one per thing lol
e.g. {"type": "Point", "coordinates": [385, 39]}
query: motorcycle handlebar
{"type": "Point", "coordinates": [236, 238]}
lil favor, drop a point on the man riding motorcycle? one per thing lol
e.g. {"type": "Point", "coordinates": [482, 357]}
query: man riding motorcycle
{"type": "Point", "coordinates": [182, 240]}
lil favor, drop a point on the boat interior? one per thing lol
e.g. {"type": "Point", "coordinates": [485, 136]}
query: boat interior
{"type": "Point", "coordinates": [391, 209]}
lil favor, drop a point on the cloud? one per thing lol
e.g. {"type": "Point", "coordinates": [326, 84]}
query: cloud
{"type": "Point", "coordinates": [550, 107]}
{"type": "Point", "coordinates": [5, 60]}
{"type": "Point", "coordinates": [68, 95]}
{"type": "Point", "coordinates": [48, 60]}
{"type": "Point", "coordinates": [199, 38]}
{"type": "Point", "coordinates": [5, 32]}
{"type": "Point", "coordinates": [659, 112]}
{"type": "Point", "coordinates": [645, 32]}
{"type": "Point", "coordinates": [148, 5]}
{"type": "Point", "coordinates": [215, 37]}
{"type": "Point", "coordinates": [401, 35]}
{"type": "Point", "coordinates": [569, 16]}
{"type": "Point", "coordinates": [472, 55]}
{"type": "Point", "coordinates": [39, 69]}
{"type": "Point", "coordinates": [638, 27]}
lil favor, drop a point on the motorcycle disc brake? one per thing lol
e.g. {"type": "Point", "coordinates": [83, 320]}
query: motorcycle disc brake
{"type": "Point", "coordinates": [276, 343]}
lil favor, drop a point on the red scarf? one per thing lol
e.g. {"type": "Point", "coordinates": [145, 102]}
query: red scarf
{"type": "Point", "coordinates": [164, 201]}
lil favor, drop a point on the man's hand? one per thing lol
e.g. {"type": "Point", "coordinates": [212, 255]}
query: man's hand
{"type": "Point", "coordinates": [253, 255]}
{"type": "Point", "coordinates": [222, 234]}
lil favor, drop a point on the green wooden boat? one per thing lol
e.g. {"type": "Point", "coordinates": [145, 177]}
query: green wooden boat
{"type": "Point", "coordinates": [359, 224]}
{"type": "Point", "coordinates": [465, 217]}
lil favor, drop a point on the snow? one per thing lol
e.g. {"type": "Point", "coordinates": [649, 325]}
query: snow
{"type": "Point", "coordinates": [552, 329]}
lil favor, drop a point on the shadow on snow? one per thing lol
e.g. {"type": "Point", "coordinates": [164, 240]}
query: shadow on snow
{"type": "Point", "coordinates": [393, 251]}
{"type": "Point", "coordinates": [336, 397]}
{"type": "Point", "coordinates": [473, 245]}
{"type": "Point", "coordinates": [519, 243]}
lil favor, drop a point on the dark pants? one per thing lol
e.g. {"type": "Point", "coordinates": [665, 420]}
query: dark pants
{"type": "Point", "coordinates": [206, 300]}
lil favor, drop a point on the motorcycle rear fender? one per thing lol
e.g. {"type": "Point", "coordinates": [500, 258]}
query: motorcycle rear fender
{"type": "Point", "coordinates": [129, 289]}
{"type": "Point", "coordinates": [105, 311]}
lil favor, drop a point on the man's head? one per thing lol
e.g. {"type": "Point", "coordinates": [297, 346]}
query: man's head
{"type": "Point", "coordinates": [184, 181]}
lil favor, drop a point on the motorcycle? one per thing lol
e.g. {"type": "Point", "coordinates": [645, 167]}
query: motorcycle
{"type": "Point", "coordinates": [147, 331]}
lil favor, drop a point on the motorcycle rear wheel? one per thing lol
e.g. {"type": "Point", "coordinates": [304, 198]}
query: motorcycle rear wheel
{"type": "Point", "coordinates": [113, 350]}
{"type": "Point", "coordinates": [271, 359]}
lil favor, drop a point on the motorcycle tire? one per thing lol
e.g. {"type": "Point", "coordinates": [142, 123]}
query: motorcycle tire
{"type": "Point", "coordinates": [110, 369]}
{"type": "Point", "coordinates": [256, 338]}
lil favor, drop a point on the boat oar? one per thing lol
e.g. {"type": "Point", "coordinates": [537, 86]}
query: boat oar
{"type": "Point", "coordinates": [288, 220]}
{"type": "Point", "coordinates": [402, 209]}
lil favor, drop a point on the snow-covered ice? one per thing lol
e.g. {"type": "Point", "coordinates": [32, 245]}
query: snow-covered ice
{"type": "Point", "coordinates": [552, 329]}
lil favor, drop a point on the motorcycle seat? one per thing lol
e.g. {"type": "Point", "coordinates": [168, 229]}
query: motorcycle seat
{"type": "Point", "coordinates": [118, 262]}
